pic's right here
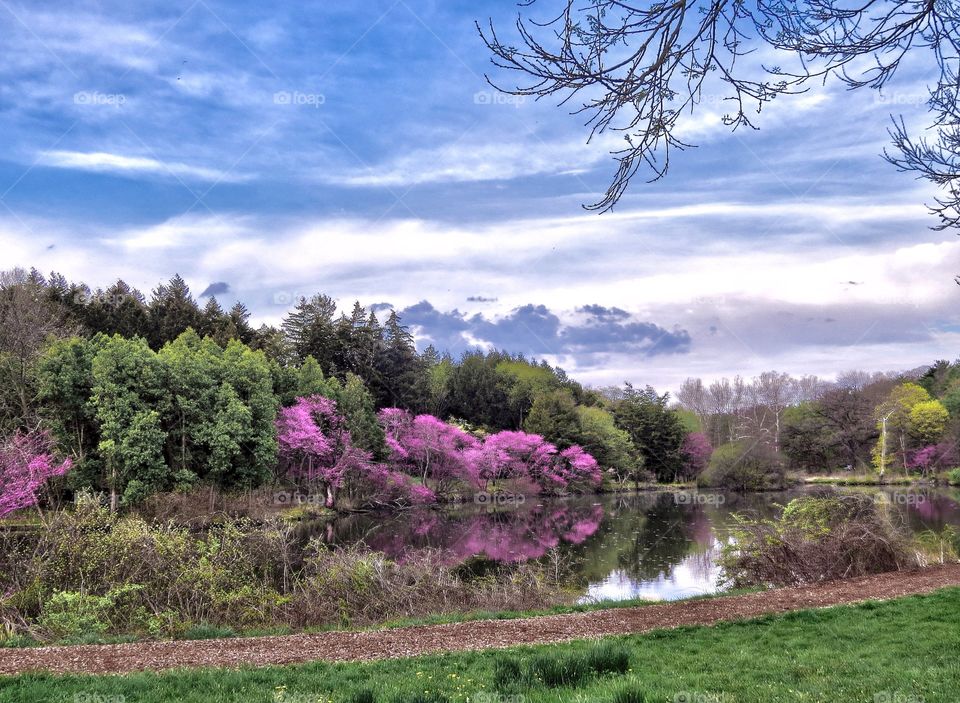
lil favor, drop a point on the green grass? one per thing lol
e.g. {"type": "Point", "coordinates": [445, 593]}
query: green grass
{"type": "Point", "coordinates": [902, 650]}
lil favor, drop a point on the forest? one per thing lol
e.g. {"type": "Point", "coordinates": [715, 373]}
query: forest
{"type": "Point", "coordinates": [106, 391]}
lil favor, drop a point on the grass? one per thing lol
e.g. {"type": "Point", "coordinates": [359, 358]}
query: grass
{"type": "Point", "coordinates": [901, 650]}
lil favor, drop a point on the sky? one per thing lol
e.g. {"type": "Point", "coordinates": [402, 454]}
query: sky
{"type": "Point", "coordinates": [268, 151]}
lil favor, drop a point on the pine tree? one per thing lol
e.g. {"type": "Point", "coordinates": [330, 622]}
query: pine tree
{"type": "Point", "coordinates": [172, 310]}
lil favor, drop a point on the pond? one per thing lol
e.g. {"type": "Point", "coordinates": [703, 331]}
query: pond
{"type": "Point", "coordinates": [654, 545]}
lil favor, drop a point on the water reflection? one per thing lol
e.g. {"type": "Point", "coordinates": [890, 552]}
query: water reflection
{"type": "Point", "coordinates": [656, 545]}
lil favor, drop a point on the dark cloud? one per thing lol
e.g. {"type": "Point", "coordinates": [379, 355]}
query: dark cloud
{"type": "Point", "coordinates": [377, 307]}
{"type": "Point", "coordinates": [601, 312]}
{"type": "Point", "coordinates": [443, 329]}
{"type": "Point", "coordinates": [536, 330]}
{"type": "Point", "coordinates": [217, 288]}
{"type": "Point", "coordinates": [481, 299]}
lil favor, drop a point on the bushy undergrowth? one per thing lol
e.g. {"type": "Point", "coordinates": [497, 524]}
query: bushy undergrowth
{"type": "Point", "coordinates": [94, 574]}
{"type": "Point", "coordinates": [744, 466]}
{"type": "Point", "coordinates": [819, 538]}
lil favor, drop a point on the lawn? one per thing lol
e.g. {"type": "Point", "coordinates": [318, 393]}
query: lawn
{"type": "Point", "coordinates": [902, 651]}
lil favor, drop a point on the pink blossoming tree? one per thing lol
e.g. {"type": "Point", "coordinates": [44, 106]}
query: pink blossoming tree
{"type": "Point", "coordinates": [521, 455]}
{"type": "Point", "coordinates": [317, 452]}
{"type": "Point", "coordinates": [429, 448]}
{"type": "Point", "coordinates": [315, 447]}
{"type": "Point", "coordinates": [932, 457]}
{"type": "Point", "coordinates": [26, 464]}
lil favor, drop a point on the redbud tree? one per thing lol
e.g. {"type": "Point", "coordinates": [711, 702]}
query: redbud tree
{"type": "Point", "coordinates": [26, 464]}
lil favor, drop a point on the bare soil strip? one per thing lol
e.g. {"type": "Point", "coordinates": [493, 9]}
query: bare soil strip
{"type": "Point", "coordinates": [414, 641]}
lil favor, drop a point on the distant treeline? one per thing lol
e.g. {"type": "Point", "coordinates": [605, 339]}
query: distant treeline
{"type": "Point", "coordinates": [146, 395]}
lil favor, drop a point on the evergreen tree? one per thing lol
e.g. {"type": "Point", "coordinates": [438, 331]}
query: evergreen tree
{"type": "Point", "coordinates": [172, 310]}
{"type": "Point", "coordinates": [656, 431]}
{"type": "Point", "coordinates": [401, 372]}
{"type": "Point", "coordinates": [309, 330]}
{"type": "Point", "coordinates": [554, 417]}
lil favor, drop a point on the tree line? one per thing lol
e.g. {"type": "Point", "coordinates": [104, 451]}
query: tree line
{"type": "Point", "coordinates": [147, 395]}
{"type": "Point", "coordinates": [903, 422]}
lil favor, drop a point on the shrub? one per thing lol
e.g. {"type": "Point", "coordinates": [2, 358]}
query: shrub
{"type": "Point", "coordinates": [73, 614]}
{"type": "Point", "coordinates": [94, 572]}
{"type": "Point", "coordinates": [818, 538]}
{"type": "Point", "coordinates": [953, 477]}
{"type": "Point", "coordinates": [744, 466]}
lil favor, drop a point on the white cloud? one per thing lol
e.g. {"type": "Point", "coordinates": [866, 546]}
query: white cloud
{"type": "Point", "coordinates": [105, 162]}
{"type": "Point", "coordinates": [470, 159]}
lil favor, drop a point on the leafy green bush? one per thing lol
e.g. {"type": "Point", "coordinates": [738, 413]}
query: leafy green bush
{"type": "Point", "coordinates": [72, 614]}
{"type": "Point", "coordinates": [744, 466]}
{"type": "Point", "coordinates": [953, 477]}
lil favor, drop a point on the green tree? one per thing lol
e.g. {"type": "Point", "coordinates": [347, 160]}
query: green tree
{"type": "Point", "coordinates": [64, 387]}
{"type": "Point", "coordinates": [477, 394]}
{"type": "Point", "coordinates": [402, 374]}
{"type": "Point", "coordinates": [655, 430]}
{"type": "Point", "coordinates": [139, 455]}
{"type": "Point", "coordinates": [355, 403]}
{"type": "Point", "coordinates": [611, 446]}
{"type": "Point", "coordinates": [225, 437]}
{"type": "Point", "coordinates": [128, 387]}
{"type": "Point", "coordinates": [438, 371]}
{"type": "Point", "coordinates": [310, 330]}
{"type": "Point", "coordinates": [928, 420]}
{"type": "Point", "coordinates": [893, 420]}
{"type": "Point", "coordinates": [554, 417]}
{"type": "Point", "coordinates": [171, 311]}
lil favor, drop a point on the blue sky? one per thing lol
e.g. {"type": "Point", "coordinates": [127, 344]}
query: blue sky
{"type": "Point", "coordinates": [355, 149]}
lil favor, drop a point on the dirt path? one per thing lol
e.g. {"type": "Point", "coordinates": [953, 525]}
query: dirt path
{"type": "Point", "coordinates": [412, 641]}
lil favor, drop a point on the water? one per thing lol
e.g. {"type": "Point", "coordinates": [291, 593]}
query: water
{"type": "Point", "coordinates": [657, 545]}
